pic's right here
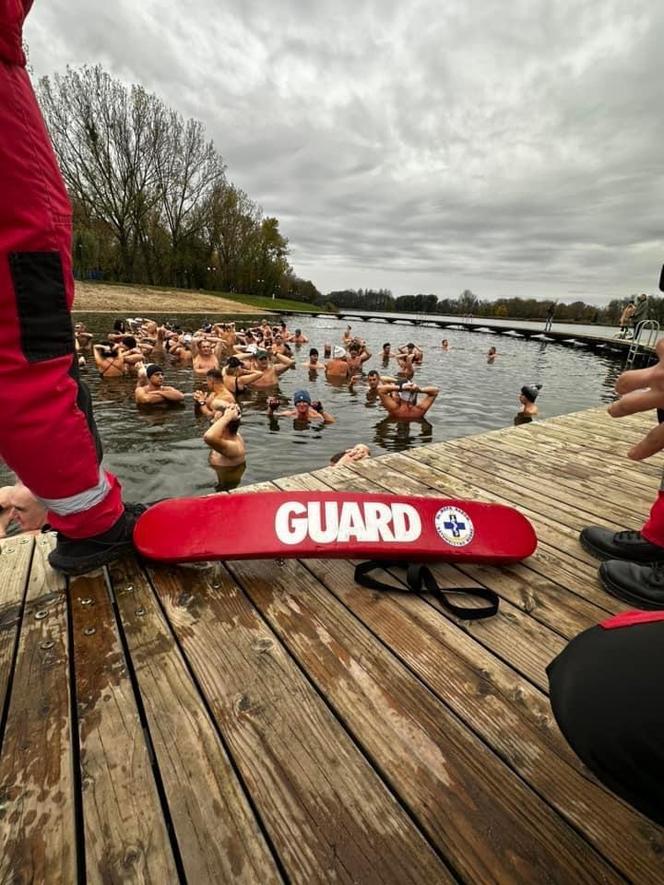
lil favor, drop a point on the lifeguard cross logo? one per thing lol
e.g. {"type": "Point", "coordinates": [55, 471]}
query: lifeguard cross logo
{"type": "Point", "coordinates": [332, 522]}
{"type": "Point", "coordinates": [454, 526]}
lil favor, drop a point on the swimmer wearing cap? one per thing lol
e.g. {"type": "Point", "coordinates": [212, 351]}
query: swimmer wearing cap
{"type": "Point", "coordinates": [401, 400]}
{"type": "Point", "coordinates": [151, 390]}
{"type": "Point", "coordinates": [337, 367]}
{"type": "Point", "coordinates": [269, 371]}
{"type": "Point", "coordinates": [304, 409]}
{"type": "Point", "coordinates": [528, 410]}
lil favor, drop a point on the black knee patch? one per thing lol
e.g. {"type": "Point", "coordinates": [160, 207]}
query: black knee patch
{"type": "Point", "coordinates": [41, 300]}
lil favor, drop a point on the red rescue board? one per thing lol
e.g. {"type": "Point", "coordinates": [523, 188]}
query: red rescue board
{"type": "Point", "coordinates": [325, 525]}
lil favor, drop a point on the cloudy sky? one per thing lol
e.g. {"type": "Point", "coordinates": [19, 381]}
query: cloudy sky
{"type": "Point", "coordinates": [513, 148]}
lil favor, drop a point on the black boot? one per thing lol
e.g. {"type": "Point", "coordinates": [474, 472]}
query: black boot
{"type": "Point", "coordinates": [605, 544]}
{"type": "Point", "coordinates": [76, 556]}
{"type": "Point", "coordinates": [641, 586]}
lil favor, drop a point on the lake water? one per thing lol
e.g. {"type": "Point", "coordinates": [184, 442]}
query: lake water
{"type": "Point", "coordinates": [162, 454]}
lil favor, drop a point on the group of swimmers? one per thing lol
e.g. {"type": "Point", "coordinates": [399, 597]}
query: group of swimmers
{"type": "Point", "coordinates": [231, 361]}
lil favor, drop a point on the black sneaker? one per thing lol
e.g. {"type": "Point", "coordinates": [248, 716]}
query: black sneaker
{"type": "Point", "coordinates": [76, 556]}
{"type": "Point", "coordinates": [641, 586]}
{"type": "Point", "coordinates": [605, 544]}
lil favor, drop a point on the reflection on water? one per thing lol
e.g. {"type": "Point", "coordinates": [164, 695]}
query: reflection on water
{"type": "Point", "coordinates": [160, 453]}
{"type": "Point", "coordinates": [520, 418]}
{"type": "Point", "coordinates": [396, 436]}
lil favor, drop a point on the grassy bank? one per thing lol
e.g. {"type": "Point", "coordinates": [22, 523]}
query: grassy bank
{"type": "Point", "coordinates": [135, 300]}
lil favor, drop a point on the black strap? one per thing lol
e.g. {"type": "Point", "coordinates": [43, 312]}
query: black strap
{"type": "Point", "coordinates": [419, 576]}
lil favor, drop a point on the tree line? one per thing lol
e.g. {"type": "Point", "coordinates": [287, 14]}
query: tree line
{"type": "Point", "coordinates": [469, 304]}
{"type": "Point", "coordinates": [151, 199]}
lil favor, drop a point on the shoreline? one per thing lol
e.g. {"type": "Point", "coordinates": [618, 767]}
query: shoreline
{"type": "Point", "coordinates": [105, 298]}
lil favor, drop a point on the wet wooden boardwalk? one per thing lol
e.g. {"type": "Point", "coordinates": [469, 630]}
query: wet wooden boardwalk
{"type": "Point", "coordinates": [265, 722]}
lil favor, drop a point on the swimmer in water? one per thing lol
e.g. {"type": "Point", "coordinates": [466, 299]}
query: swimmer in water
{"type": "Point", "coordinates": [151, 390]}
{"type": "Point", "coordinates": [299, 338]}
{"type": "Point", "coordinates": [228, 455]}
{"type": "Point", "coordinates": [313, 364]}
{"type": "Point", "coordinates": [216, 397]}
{"type": "Point", "coordinates": [528, 409]}
{"type": "Point", "coordinates": [338, 367]}
{"type": "Point", "coordinates": [304, 409]}
{"type": "Point", "coordinates": [269, 373]}
{"type": "Point", "coordinates": [20, 511]}
{"type": "Point", "coordinates": [109, 360]}
{"type": "Point", "coordinates": [491, 355]}
{"type": "Point", "coordinates": [204, 357]}
{"type": "Point", "coordinates": [445, 344]}
{"type": "Point", "coordinates": [350, 456]}
{"type": "Point", "coordinates": [400, 400]}
{"type": "Point", "coordinates": [374, 380]}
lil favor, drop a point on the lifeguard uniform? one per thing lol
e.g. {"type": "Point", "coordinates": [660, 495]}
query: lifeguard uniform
{"type": "Point", "coordinates": [47, 434]}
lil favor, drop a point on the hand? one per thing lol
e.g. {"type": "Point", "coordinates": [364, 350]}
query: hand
{"type": "Point", "coordinates": [199, 397]}
{"type": "Point", "coordinates": [642, 390]}
{"type": "Point", "coordinates": [273, 403]}
{"type": "Point", "coordinates": [232, 411]}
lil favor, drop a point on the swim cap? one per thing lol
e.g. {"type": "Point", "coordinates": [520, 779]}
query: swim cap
{"type": "Point", "coordinates": [152, 369]}
{"type": "Point", "coordinates": [339, 352]}
{"type": "Point", "coordinates": [530, 391]}
{"type": "Point", "coordinates": [301, 396]}
{"type": "Point", "coordinates": [261, 354]}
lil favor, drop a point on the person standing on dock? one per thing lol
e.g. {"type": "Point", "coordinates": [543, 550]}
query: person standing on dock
{"type": "Point", "coordinates": [640, 314]}
{"type": "Point", "coordinates": [551, 312]}
{"type": "Point", "coordinates": [58, 457]}
{"type": "Point", "coordinates": [625, 321]}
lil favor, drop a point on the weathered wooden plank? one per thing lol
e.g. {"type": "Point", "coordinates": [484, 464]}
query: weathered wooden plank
{"type": "Point", "coordinates": [549, 521]}
{"type": "Point", "coordinates": [615, 438]}
{"type": "Point", "coordinates": [15, 557]}
{"type": "Point", "coordinates": [569, 521]}
{"type": "Point", "coordinates": [507, 712]}
{"type": "Point", "coordinates": [218, 836]}
{"type": "Point", "coordinates": [126, 838]}
{"type": "Point", "coordinates": [457, 789]}
{"type": "Point", "coordinates": [517, 470]}
{"type": "Point", "coordinates": [327, 813]}
{"type": "Point", "coordinates": [37, 802]}
{"type": "Point", "coordinates": [588, 477]}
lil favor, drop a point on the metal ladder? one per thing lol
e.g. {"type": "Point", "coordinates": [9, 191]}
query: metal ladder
{"type": "Point", "coordinates": [651, 327]}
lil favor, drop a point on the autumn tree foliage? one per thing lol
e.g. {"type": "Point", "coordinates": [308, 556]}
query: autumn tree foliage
{"type": "Point", "coordinates": [151, 197]}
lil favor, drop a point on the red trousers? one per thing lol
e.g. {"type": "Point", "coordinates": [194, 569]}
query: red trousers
{"type": "Point", "coordinates": [653, 530]}
{"type": "Point", "coordinates": [47, 435]}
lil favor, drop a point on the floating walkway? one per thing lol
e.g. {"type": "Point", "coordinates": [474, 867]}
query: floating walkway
{"type": "Point", "coordinates": [528, 329]}
{"type": "Point", "coordinates": [270, 722]}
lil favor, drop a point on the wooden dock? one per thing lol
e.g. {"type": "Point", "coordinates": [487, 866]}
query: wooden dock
{"type": "Point", "coordinates": [266, 722]}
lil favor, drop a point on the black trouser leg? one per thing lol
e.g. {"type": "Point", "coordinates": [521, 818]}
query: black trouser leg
{"type": "Point", "coordinates": [607, 694]}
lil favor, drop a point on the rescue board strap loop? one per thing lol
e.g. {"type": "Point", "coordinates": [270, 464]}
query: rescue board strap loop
{"type": "Point", "coordinates": [419, 578]}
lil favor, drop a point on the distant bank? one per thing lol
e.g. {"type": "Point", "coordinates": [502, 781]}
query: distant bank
{"type": "Point", "coordinates": [136, 300]}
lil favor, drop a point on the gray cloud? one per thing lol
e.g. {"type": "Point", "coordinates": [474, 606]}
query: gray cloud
{"type": "Point", "coordinates": [509, 148]}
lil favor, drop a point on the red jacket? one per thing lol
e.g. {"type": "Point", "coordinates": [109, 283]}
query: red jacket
{"type": "Point", "coordinates": [12, 16]}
